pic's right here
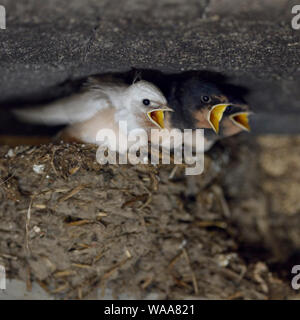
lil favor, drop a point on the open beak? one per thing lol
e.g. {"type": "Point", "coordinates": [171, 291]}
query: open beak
{"type": "Point", "coordinates": [241, 119]}
{"type": "Point", "coordinates": [215, 115]}
{"type": "Point", "coordinates": [157, 116]}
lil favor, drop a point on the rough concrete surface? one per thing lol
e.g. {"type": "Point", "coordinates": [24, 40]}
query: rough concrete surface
{"type": "Point", "coordinates": [49, 42]}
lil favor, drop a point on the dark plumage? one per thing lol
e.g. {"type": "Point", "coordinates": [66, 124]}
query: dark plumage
{"type": "Point", "coordinates": [193, 95]}
{"type": "Point", "coordinates": [187, 99]}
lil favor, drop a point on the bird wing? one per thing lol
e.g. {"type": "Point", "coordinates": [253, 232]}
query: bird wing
{"type": "Point", "coordinates": [98, 93]}
{"type": "Point", "coordinates": [76, 108]}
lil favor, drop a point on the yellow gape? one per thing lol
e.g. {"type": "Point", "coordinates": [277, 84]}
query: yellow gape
{"type": "Point", "coordinates": [215, 115]}
{"type": "Point", "coordinates": [241, 120]}
{"type": "Point", "coordinates": [157, 117]}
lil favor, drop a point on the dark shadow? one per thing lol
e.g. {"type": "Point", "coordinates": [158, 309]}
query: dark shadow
{"type": "Point", "coordinates": [163, 80]}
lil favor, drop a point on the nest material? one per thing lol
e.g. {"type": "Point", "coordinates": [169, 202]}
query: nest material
{"type": "Point", "coordinates": [75, 226]}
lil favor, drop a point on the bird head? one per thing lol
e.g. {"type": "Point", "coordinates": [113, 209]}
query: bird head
{"type": "Point", "coordinates": [147, 103]}
{"type": "Point", "coordinates": [202, 104]}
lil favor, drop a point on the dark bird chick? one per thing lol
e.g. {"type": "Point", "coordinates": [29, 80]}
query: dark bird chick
{"type": "Point", "coordinates": [202, 104]}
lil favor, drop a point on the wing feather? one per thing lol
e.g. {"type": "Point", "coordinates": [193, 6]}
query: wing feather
{"type": "Point", "coordinates": [98, 93]}
{"type": "Point", "coordinates": [73, 109]}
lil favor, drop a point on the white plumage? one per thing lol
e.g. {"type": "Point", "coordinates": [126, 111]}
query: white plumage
{"type": "Point", "coordinates": [101, 104]}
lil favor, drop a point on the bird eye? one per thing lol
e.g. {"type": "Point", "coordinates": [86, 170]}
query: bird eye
{"type": "Point", "coordinates": [205, 99]}
{"type": "Point", "coordinates": [229, 108]}
{"type": "Point", "coordinates": [146, 102]}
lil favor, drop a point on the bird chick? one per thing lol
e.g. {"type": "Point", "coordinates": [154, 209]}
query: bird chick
{"type": "Point", "coordinates": [102, 103]}
{"type": "Point", "coordinates": [202, 104]}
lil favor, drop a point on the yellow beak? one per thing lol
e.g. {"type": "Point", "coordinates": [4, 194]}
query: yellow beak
{"type": "Point", "coordinates": [215, 116]}
{"type": "Point", "coordinates": [241, 119]}
{"type": "Point", "coordinates": [157, 116]}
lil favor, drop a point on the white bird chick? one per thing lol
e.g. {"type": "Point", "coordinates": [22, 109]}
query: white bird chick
{"type": "Point", "coordinates": [101, 104]}
{"type": "Point", "coordinates": [140, 99]}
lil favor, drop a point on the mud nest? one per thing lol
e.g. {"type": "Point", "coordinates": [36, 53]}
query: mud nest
{"type": "Point", "coordinates": [80, 229]}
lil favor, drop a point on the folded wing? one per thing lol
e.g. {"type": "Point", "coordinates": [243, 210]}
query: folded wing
{"type": "Point", "coordinates": [97, 94]}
